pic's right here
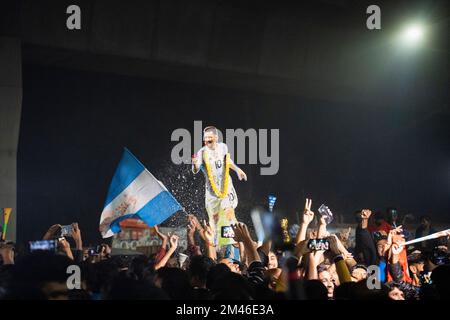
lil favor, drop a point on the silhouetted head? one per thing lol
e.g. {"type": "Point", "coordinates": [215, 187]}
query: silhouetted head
{"type": "Point", "coordinates": [198, 270]}
{"type": "Point", "coordinates": [425, 221]}
{"type": "Point", "coordinates": [441, 280]}
{"type": "Point", "coordinates": [216, 272]}
{"type": "Point", "coordinates": [40, 275]}
{"type": "Point", "coordinates": [232, 286]}
{"type": "Point", "coordinates": [316, 290]}
{"type": "Point", "coordinates": [174, 282]}
{"type": "Point", "coordinates": [123, 288]}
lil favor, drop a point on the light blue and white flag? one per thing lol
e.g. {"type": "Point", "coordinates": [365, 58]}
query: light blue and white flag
{"type": "Point", "coordinates": [135, 193]}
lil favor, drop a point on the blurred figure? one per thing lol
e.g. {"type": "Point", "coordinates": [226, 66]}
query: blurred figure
{"type": "Point", "coordinates": [395, 293]}
{"type": "Point", "coordinates": [423, 230]}
{"type": "Point", "coordinates": [416, 263]}
{"type": "Point", "coordinates": [379, 223]}
{"type": "Point", "coordinates": [359, 272]}
{"type": "Point", "coordinates": [327, 280]}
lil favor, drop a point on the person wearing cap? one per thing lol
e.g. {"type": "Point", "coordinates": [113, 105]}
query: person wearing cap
{"type": "Point", "coordinates": [416, 264]}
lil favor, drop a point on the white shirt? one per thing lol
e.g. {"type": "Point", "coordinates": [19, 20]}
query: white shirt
{"type": "Point", "coordinates": [216, 160]}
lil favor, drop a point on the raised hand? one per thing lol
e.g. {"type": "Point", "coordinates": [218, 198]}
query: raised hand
{"type": "Point", "coordinates": [347, 256]}
{"type": "Point", "coordinates": [241, 174]}
{"type": "Point", "coordinates": [190, 229]}
{"type": "Point", "coordinates": [241, 233]}
{"type": "Point", "coordinates": [308, 215]}
{"type": "Point", "coordinates": [397, 248]}
{"type": "Point", "coordinates": [51, 232]}
{"type": "Point", "coordinates": [76, 235]}
{"type": "Point", "coordinates": [194, 221]}
{"type": "Point", "coordinates": [208, 232]}
{"type": "Point", "coordinates": [395, 236]}
{"type": "Point", "coordinates": [323, 220]}
{"type": "Point", "coordinates": [334, 247]}
{"type": "Point", "coordinates": [63, 243]}
{"type": "Point", "coordinates": [301, 249]}
{"type": "Point", "coordinates": [397, 230]}
{"type": "Point", "coordinates": [164, 238]}
{"type": "Point", "coordinates": [161, 235]}
{"type": "Point", "coordinates": [445, 233]}
{"type": "Point", "coordinates": [394, 233]}
{"type": "Point", "coordinates": [173, 239]}
{"type": "Point", "coordinates": [194, 160]}
{"type": "Point", "coordinates": [306, 219]}
{"type": "Point", "coordinates": [65, 246]}
{"type": "Point", "coordinates": [366, 213]}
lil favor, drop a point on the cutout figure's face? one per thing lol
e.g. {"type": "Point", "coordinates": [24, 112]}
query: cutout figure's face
{"type": "Point", "coordinates": [210, 139]}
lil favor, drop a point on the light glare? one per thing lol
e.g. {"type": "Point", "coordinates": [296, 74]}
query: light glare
{"type": "Point", "coordinates": [413, 34]}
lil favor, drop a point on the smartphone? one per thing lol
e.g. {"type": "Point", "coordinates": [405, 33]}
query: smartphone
{"type": "Point", "coordinates": [325, 211]}
{"type": "Point", "coordinates": [66, 230]}
{"type": "Point", "coordinates": [46, 245]}
{"type": "Point", "coordinates": [99, 249]}
{"type": "Point", "coordinates": [92, 252]}
{"type": "Point", "coordinates": [318, 244]}
{"type": "Point", "coordinates": [227, 232]}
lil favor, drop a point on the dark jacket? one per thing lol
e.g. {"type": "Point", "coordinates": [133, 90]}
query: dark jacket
{"type": "Point", "coordinates": [411, 291]}
{"type": "Point", "coordinates": [365, 251]}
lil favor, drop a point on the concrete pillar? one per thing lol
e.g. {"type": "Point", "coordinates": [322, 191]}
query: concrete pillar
{"type": "Point", "coordinates": [10, 110]}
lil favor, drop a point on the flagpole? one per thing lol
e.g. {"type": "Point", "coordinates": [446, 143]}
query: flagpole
{"type": "Point", "coordinates": [429, 237]}
{"type": "Point", "coordinates": [6, 215]}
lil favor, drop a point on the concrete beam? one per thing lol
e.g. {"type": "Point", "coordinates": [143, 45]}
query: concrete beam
{"type": "Point", "coordinates": [10, 111]}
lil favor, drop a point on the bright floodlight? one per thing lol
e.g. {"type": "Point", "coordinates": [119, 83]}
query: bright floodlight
{"type": "Point", "coordinates": [413, 34]}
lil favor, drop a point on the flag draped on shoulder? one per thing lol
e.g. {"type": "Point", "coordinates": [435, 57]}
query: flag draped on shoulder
{"type": "Point", "coordinates": [135, 193]}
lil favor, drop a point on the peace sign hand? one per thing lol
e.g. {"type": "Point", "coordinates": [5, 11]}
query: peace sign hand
{"type": "Point", "coordinates": [308, 215]}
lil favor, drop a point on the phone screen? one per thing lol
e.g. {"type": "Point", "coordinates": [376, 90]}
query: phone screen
{"type": "Point", "coordinates": [47, 245]}
{"type": "Point", "coordinates": [318, 244]}
{"type": "Point", "coordinates": [325, 211]}
{"type": "Point", "coordinates": [66, 230]}
{"type": "Point", "coordinates": [227, 232]}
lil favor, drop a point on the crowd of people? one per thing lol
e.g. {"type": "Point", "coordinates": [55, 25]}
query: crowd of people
{"type": "Point", "coordinates": [378, 267]}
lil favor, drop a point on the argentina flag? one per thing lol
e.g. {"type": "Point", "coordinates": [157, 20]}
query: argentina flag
{"type": "Point", "coordinates": [135, 193]}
